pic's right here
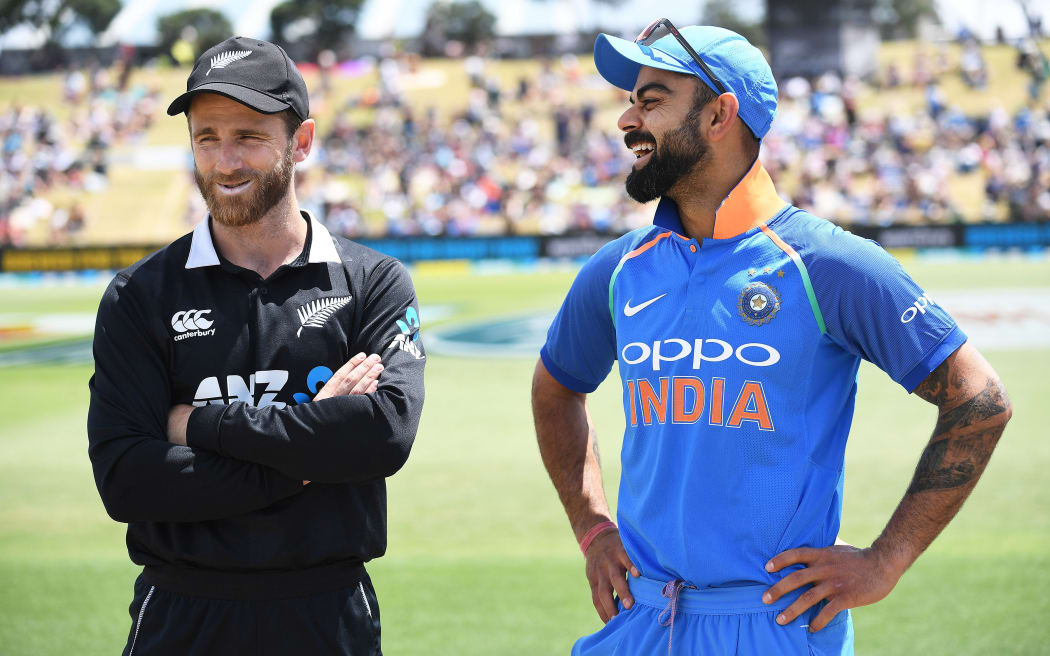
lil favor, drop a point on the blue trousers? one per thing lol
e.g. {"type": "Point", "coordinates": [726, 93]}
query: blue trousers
{"type": "Point", "coordinates": [713, 622]}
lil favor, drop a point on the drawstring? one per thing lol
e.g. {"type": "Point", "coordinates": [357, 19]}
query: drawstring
{"type": "Point", "coordinates": [671, 590]}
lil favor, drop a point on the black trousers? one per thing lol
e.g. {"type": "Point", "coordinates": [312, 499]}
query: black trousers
{"type": "Point", "coordinates": [343, 622]}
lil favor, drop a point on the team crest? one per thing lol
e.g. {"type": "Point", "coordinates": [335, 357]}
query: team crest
{"type": "Point", "coordinates": [758, 303]}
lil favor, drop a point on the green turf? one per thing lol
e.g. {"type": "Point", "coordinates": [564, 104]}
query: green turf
{"type": "Point", "coordinates": [481, 559]}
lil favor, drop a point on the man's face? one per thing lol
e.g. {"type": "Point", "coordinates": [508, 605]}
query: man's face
{"type": "Point", "coordinates": [662, 127]}
{"type": "Point", "coordinates": [243, 159]}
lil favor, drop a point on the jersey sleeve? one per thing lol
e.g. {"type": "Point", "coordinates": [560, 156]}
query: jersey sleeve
{"type": "Point", "coordinates": [873, 309]}
{"type": "Point", "coordinates": [581, 342]}
{"type": "Point", "coordinates": [139, 474]}
{"type": "Point", "coordinates": [349, 438]}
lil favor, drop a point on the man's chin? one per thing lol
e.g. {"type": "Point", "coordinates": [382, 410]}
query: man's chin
{"type": "Point", "coordinates": [229, 214]}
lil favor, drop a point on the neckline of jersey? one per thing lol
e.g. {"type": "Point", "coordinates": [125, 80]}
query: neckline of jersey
{"type": "Point", "coordinates": [750, 204]}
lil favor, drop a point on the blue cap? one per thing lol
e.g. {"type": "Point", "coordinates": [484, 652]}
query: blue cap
{"type": "Point", "coordinates": [739, 65]}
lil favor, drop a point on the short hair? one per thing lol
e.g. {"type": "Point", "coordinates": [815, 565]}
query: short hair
{"type": "Point", "coordinates": [291, 121]}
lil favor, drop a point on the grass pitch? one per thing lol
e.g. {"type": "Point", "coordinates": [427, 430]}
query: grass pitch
{"type": "Point", "coordinates": [481, 559]}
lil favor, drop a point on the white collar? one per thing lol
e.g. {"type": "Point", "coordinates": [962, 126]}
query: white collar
{"type": "Point", "coordinates": [203, 254]}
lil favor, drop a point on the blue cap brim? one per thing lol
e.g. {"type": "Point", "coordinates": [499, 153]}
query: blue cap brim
{"type": "Point", "coordinates": [619, 60]}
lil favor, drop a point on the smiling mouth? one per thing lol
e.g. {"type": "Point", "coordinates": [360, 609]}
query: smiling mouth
{"type": "Point", "coordinates": [642, 149]}
{"type": "Point", "coordinates": [233, 188]}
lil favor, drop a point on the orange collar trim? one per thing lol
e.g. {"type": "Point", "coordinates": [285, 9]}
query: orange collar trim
{"type": "Point", "coordinates": [752, 202]}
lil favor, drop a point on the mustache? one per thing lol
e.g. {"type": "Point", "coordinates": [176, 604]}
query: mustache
{"type": "Point", "coordinates": [635, 137]}
{"type": "Point", "coordinates": [240, 175]}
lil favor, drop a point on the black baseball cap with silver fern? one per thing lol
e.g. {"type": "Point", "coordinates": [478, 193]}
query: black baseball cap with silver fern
{"type": "Point", "coordinates": [255, 73]}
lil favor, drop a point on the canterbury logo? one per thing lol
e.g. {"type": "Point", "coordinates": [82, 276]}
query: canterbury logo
{"type": "Point", "coordinates": [191, 320]}
{"type": "Point", "coordinates": [315, 313]}
{"type": "Point", "coordinates": [224, 59]}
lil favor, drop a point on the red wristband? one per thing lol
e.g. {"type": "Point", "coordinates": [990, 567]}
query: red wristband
{"type": "Point", "coordinates": [595, 531]}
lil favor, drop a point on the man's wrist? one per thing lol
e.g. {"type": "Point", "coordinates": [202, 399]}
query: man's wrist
{"type": "Point", "coordinates": [892, 559]}
{"type": "Point", "coordinates": [594, 532]}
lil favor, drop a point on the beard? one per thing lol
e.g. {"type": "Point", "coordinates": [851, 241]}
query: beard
{"type": "Point", "coordinates": [683, 149]}
{"type": "Point", "coordinates": [268, 188]}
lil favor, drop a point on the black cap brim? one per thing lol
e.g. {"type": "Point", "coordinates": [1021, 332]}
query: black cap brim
{"type": "Point", "coordinates": [251, 98]}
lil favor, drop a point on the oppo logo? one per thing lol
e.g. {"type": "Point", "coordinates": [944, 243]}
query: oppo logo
{"type": "Point", "coordinates": [917, 308]}
{"type": "Point", "coordinates": [754, 354]}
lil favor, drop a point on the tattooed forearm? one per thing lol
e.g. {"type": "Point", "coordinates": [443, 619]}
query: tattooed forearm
{"type": "Point", "coordinates": [954, 462]}
{"type": "Point", "coordinates": [594, 445]}
{"type": "Point", "coordinates": [956, 456]}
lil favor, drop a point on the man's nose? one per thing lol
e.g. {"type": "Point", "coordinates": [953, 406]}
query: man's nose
{"type": "Point", "coordinates": [630, 120]}
{"type": "Point", "coordinates": [229, 158]}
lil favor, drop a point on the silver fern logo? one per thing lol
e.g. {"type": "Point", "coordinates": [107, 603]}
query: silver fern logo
{"type": "Point", "coordinates": [224, 59]}
{"type": "Point", "coordinates": [315, 313]}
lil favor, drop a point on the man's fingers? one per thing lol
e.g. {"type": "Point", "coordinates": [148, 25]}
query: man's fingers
{"type": "Point", "coordinates": [791, 557]}
{"type": "Point", "coordinates": [807, 600]}
{"type": "Point", "coordinates": [826, 614]}
{"type": "Point", "coordinates": [628, 565]}
{"type": "Point", "coordinates": [619, 583]}
{"type": "Point", "coordinates": [349, 366]}
{"type": "Point", "coordinates": [373, 387]}
{"type": "Point", "coordinates": [601, 596]}
{"type": "Point", "coordinates": [369, 377]}
{"type": "Point", "coordinates": [791, 582]}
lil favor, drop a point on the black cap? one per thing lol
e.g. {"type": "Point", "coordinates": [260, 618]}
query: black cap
{"type": "Point", "coordinates": [255, 73]}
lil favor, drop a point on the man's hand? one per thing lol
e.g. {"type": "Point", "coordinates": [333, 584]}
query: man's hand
{"type": "Point", "coordinates": [607, 566]}
{"type": "Point", "coordinates": [360, 375]}
{"type": "Point", "coordinates": [843, 574]}
{"type": "Point", "coordinates": [178, 417]}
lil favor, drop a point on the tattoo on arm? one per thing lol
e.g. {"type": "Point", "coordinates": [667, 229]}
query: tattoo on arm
{"type": "Point", "coordinates": [594, 446]}
{"type": "Point", "coordinates": [955, 457]}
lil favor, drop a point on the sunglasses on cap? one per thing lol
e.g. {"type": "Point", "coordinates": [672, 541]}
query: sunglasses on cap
{"type": "Point", "coordinates": [660, 28]}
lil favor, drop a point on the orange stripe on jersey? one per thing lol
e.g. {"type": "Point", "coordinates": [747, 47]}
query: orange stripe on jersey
{"type": "Point", "coordinates": [752, 202]}
{"type": "Point", "coordinates": [646, 246]}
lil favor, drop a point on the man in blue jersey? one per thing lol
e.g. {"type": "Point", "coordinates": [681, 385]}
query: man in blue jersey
{"type": "Point", "coordinates": [739, 322]}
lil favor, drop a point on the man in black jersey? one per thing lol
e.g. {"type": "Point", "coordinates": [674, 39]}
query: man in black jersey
{"type": "Point", "coordinates": [255, 383]}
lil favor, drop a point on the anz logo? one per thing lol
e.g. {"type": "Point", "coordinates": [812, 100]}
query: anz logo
{"type": "Point", "coordinates": [267, 384]}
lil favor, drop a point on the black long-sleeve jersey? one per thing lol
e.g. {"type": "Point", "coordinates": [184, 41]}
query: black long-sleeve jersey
{"type": "Point", "coordinates": [184, 325]}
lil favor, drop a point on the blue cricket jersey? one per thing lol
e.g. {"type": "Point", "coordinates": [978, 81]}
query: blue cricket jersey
{"type": "Point", "coordinates": [738, 359]}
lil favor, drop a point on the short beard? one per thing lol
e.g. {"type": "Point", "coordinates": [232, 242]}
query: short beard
{"type": "Point", "coordinates": [683, 149]}
{"type": "Point", "coordinates": [269, 189]}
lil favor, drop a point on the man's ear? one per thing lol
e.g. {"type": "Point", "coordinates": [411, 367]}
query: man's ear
{"type": "Point", "coordinates": [724, 110]}
{"type": "Point", "coordinates": [304, 140]}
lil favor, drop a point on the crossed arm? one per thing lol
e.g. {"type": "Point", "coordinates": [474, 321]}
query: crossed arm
{"type": "Point", "coordinates": [973, 409]}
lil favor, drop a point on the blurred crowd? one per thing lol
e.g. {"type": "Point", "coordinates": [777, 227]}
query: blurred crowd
{"type": "Point", "coordinates": [529, 158]}
{"type": "Point", "coordinates": [518, 161]}
{"type": "Point", "coordinates": [860, 165]}
{"type": "Point", "coordinates": [41, 154]}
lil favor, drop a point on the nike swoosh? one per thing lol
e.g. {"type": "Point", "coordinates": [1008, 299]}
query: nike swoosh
{"type": "Point", "coordinates": [631, 311]}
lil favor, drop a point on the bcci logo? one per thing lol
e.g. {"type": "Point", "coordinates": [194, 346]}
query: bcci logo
{"type": "Point", "coordinates": [758, 303]}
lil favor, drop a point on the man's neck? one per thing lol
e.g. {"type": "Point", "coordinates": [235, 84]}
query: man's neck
{"type": "Point", "coordinates": [275, 239]}
{"type": "Point", "coordinates": [699, 195]}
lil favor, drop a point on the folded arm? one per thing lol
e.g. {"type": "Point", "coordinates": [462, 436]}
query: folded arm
{"type": "Point", "coordinates": [345, 437]}
{"type": "Point", "coordinates": [139, 474]}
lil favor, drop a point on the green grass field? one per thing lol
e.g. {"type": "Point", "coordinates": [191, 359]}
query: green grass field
{"type": "Point", "coordinates": [481, 559]}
